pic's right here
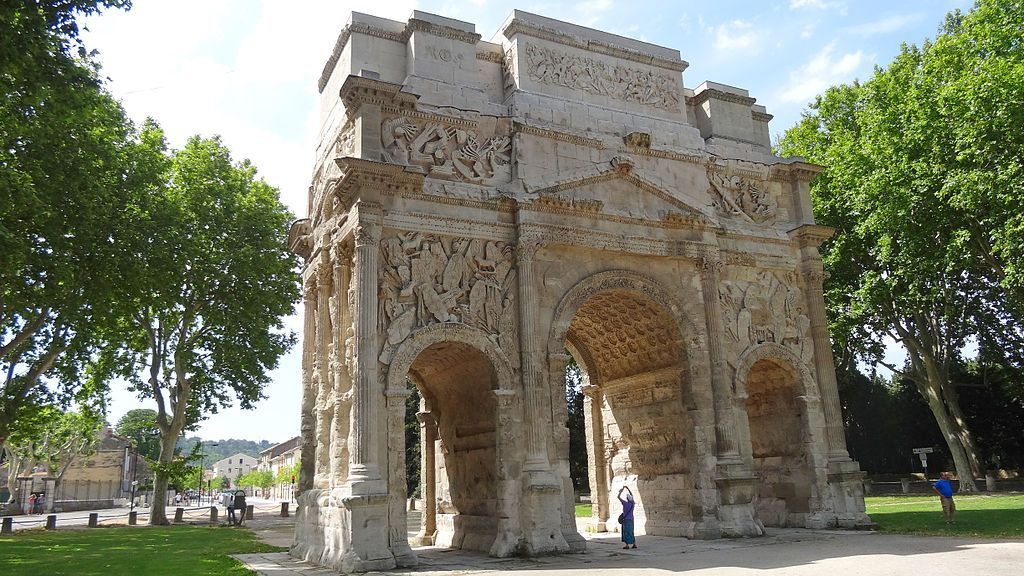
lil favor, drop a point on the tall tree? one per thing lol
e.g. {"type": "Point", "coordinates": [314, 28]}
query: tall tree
{"type": "Point", "coordinates": [219, 280]}
{"type": "Point", "coordinates": [71, 168]}
{"type": "Point", "coordinates": [140, 425]}
{"type": "Point", "coordinates": [915, 260]}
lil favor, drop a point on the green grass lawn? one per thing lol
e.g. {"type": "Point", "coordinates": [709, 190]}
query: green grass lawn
{"type": "Point", "coordinates": [157, 551]}
{"type": "Point", "coordinates": [976, 515]}
{"type": "Point", "coordinates": [999, 516]}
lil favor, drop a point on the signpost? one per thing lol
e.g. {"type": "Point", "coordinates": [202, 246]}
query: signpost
{"type": "Point", "coordinates": [923, 454]}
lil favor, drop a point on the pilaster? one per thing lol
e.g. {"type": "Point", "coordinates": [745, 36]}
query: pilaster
{"type": "Point", "coordinates": [428, 478]}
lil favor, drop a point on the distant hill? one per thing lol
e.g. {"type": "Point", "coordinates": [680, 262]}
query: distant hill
{"type": "Point", "coordinates": [225, 448]}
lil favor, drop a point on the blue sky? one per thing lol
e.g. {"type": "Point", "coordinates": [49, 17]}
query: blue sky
{"type": "Point", "coordinates": [247, 70]}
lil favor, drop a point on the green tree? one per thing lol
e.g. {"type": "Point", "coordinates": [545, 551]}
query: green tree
{"type": "Point", "coordinates": [53, 439]}
{"type": "Point", "coordinates": [909, 168]}
{"type": "Point", "coordinates": [140, 426]}
{"type": "Point", "coordinates": [73, 171]}
{"type": "Point", "coordinates": [219, 280]}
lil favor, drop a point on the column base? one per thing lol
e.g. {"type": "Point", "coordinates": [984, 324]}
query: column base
{"type": "Point", "coordinates": [345, 532]}
{"type": "Point", "coordinates": [736, 487]}
{"type": "Point", "coordinates": [423, 539]}
{"type": "Point", "coordinates": [846, 484]}
{"type": "Point", "coordinates": [542, 528]}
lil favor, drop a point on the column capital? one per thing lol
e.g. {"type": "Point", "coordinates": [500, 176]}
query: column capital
{"type": "Point", "coordinates": [527, 246]}
{"type": "Point", "coordinates": [366, 234]}
{"type": "Point", "coordinates": [341, 253]}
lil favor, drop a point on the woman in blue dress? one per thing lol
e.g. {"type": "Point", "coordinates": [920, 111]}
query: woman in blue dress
{"type": "Point", "coordinates": [627, 517]}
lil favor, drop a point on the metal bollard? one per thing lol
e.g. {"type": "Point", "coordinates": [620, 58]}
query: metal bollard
{"type": "Point", "coordinates": [133, 518]}
{"type": "Point", "coordinates": [51, 522]}
{"type": "Point", "coordinates": [905, 485]}
{"type": "Point", "coordinates": [213, 513]}
{"type": "Point", "coordinates": [94, 519]}
{"type": "Point", "coordinates": [179, 514]}
{"type": "Point", "coordinates": [248, 511]}
{"type": "Point", "coordinates": [284, 509]}
{"type": "Point", "coordinates": [8, 525]}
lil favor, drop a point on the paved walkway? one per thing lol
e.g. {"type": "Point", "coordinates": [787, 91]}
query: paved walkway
{"type": "Point", "coordinates": [781, 552]}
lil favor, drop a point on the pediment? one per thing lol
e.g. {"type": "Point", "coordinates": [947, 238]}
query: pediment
{"type": "Point", "coordinates": [615, 188]}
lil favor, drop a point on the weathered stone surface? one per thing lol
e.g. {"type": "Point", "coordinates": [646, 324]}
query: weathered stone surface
{"type": "Point", "coordinates": [477, 210]}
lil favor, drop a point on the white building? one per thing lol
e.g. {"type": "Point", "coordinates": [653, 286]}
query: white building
{"type": "Point", "coordinates": [234, 466]}
{"type": "Point", "coordinates": [283, 455]}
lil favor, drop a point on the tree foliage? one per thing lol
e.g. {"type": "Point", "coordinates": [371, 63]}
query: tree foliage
{"type": "Point", "coordinates": [217, 280]}
{"type": "Point", "coordinates": [140, 426]}
{"type": "Point", "coordinates": [72, 172]}
{"type": "Point", "coordinates": [922, 183]}
{"type": "Point", "coordinates": [51, 440]}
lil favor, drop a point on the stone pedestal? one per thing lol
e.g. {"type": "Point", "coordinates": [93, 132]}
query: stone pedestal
{"type": "Point", "coordinates": [736, 488]}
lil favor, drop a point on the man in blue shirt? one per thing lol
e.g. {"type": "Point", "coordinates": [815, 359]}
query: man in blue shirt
{"type": "Point", "coordinates": [945, 491]}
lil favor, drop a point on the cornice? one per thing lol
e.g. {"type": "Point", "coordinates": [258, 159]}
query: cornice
{"type": "Point", "coordinates": [358, 90]}
{"type": "Point", "coordinates": [343, 38]}
{"type": "Point", "coordinates": [517, 26]}
{"type": "Point", "coordinates": [709, 93]}
{"type": "Point", "coordinates": [417, 25]}
{"type": "Point", "coordinates": [811, 235]}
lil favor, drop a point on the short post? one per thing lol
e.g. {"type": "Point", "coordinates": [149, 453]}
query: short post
{"type": "Point", "coordinates": [179, 514]}
{"type": "Point", "coordinates": [249, 510]}
{"type": "Point", "coordinates": [94, 519]}
{"type": "Point", "coordinates": [990, 482]}
{"type": "Point", "coordinates": [867, 487]}
{"type": "Point", "coordinates": [905, 484]}
{"type": "Point", "coordinates": [213, 513]}
{"type": "Point", "coordinates": [412, 503]}
{"type": "Point", "coordinates": [133, 518]}
{"type": "Point", "coordinates": [8, 525]}
{"type": "Point", "coordinates": [51, 522]}
{"type": "Point", "coordinates": [284, 509]}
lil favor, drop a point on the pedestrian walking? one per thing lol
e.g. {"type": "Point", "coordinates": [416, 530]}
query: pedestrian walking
{"type": "Point", "coordinates": [229, 500]}
{"type": "Point", "coordinates": [626, 518]}
{"type": "Point", "coordinates": [945, 491]}
{"type": "Point", "coordinates": [240, 505]}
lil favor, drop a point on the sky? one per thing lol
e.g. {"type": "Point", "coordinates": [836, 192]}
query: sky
{"type": "Point", "coordinates": [247, 70]}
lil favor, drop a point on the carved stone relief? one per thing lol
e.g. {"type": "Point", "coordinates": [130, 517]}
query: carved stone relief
{"type": "Point", "coordinates": [738, 197]}
{"type": "Point", "coordinates": [428, 279]}
{"type": "Point", "coordinates": [767, 308]}
{"type": "Point", "coordinates": [449, 152]}
{"type": "Point", "coordinates": [595, 76]}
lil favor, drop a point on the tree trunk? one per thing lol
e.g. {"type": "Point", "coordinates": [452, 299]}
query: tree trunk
{"type": "Point", "coordinates": [956, 448]}
{"type": "Point", "coordinates": [952, 399]}
{"type": "Point", "coordinates": [158, 509]}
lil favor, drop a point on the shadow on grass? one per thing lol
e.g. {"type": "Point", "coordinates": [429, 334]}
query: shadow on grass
{"type": "Point", "coordinates": [158, 551]}
{"type": "Point", "coordinates": [990, 523]}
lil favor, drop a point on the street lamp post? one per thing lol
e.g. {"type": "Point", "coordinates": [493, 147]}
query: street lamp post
{"type": "Point", "coordinates": [202, 466]}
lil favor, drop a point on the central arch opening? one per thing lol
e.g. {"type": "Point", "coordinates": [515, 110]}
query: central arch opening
{"type": "Point", "coordinates": [631, 353]}
{"type": "Point", "coordinates": [458, 410]}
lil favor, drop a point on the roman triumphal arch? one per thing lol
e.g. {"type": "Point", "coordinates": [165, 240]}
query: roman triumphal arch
{"type": "Point", "coordinates": [483, 211]}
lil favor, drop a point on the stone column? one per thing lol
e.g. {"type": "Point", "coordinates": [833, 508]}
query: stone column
{"type": "Point", "coordinates": [543, 503]}
{"type": "Point", "coordinates": [593, 414]}
{"type": "Point", "coordinates": [532, 358]}
{"type": "Point", "coordinates": [725, 426]}
{"type": "Point", "coordinates": [307, 423]}
{"type": "Point", "coordinates": [398, 540]}
{"type": "Point", "coordinates": [364, 442]}
{"type": "Point", "coordinates": [824, 365]}
{"type": "Point", "coordinates": [428, 478]}
{"type": "Point", "coordinates": [324, 406]}
{"type": "Point", "coordinates": [342, 257]}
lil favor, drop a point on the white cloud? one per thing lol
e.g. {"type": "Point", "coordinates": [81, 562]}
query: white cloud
{"type": "Point", "coordinates": [589, 12]}
{"type": "Point", "coordinates": [736, 35]}
{"type": "Point", "coordinates": [884, 25]}
{"type": "Point", "coordinates": [823, 70]}
{"type": "Point", "coordinates": [808, 31]}
{"type": "Point", "coordinates": [818, 4]}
